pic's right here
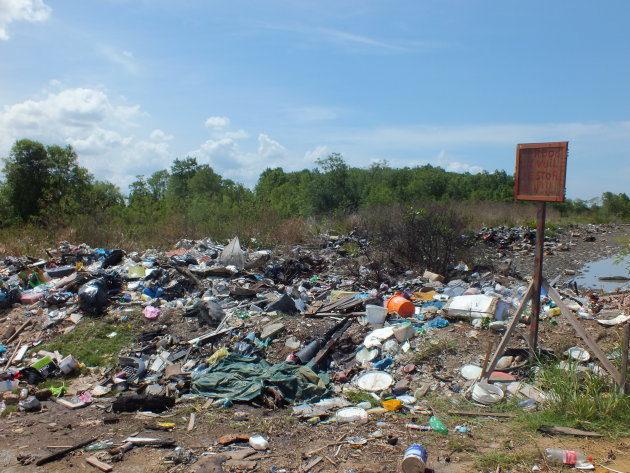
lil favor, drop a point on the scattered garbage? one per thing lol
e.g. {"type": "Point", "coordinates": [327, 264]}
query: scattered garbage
{"type": "Point", "coordinates": [222, 325]}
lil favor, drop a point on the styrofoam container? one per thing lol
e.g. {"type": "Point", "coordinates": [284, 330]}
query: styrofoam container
{"type": "Point", "coordinates": [487, 393]}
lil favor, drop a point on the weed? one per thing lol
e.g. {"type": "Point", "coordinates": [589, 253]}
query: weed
{"type": "Point", "coordinates": [9, 409]}
{"type": "Point", "coordinates": [465, 444]}
{"type": "Point", "coordinates": [439, 346]}
{"type": "Point", "coordinates": [582, 399]}
{"type": "Point", "coordinates": [356, 397]}
{"type": "Point", "coordinates": [90, 342]}
{"type": "Point", "coordinates": [493, 460]}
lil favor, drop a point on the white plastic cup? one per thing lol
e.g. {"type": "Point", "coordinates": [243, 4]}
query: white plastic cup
{"type": "Point", "coordinates": [375, 315]}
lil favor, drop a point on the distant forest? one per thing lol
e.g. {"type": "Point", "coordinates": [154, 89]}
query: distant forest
{"type": "Point", "coordinates": [44, 185]}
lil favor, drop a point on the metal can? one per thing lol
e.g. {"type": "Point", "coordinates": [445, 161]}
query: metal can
{"type": "Point", "coordinates": [415, 459]}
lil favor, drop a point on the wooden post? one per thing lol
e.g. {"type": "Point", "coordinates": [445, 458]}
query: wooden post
{"type": "Point", "coordinates": [623, 382]}
{"type": "Point", "coordinates": [538, 266]}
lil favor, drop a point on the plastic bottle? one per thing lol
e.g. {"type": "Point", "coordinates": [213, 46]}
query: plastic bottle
{"type": "Point", "coordinates": [568, 457]}
{"type": "Point", "coordinates": [437, 425]}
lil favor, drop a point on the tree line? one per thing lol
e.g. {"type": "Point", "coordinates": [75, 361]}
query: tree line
{"type": "Point", "coordinates": [45, 184]}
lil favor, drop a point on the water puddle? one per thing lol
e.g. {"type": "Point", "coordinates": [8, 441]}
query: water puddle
{"type": "Point", "coordinates": [591, 274]}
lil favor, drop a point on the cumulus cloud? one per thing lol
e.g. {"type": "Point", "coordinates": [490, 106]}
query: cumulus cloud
{"type": "Point", "coordinates": [217, 122]}
{"type": "Point", "coordinates": [269, 149]}
{"type": "Point", "coordinates": [312, 155]}
{"type": "Point", "coordinates": [21, 10]}
{"type": "Point", "coordinates": [445, 161]}
{"type": "Point", "coordinates": [102, 131]}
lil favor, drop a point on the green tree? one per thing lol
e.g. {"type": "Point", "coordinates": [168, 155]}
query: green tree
{"type": "Point", "coordinates": [43, 181]}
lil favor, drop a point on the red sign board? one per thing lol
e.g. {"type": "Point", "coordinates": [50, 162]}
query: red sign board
{"type": "Point", "coordinates": [541, 170]}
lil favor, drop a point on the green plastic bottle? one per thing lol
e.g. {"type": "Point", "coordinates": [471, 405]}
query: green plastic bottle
{"type": "Point", "coordinates": [437, 425]}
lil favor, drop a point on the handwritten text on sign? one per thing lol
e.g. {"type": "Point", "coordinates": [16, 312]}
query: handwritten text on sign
{"type": "Point", "coordinates": [541, 171]}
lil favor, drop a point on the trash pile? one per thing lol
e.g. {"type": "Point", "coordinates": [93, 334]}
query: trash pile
{"type": "Point", "coordinates": [225, 325]}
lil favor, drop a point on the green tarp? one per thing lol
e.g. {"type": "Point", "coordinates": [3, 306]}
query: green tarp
{"type": "Point", "coordinates": [243, 378]}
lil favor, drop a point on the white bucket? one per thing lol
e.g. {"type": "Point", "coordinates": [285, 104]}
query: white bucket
{"type": "Point", "coordinates": [375, 315]}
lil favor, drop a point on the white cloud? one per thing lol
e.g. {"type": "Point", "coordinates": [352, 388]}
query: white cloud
{"type": "Point", "coordinates": [269, 149]}
{"type": "Point", "coordinates": [100, 129]}
{"type": "Point", "coordinates": [446, 162]}
{"type": "Point", "coordinates": [124, 59]}
{"type": "Point", "coordinates": [217, 122]}
{"type": "Point", "coordinates": [312, 155]}
{"type": "Point", "coordinates": [21, 10]}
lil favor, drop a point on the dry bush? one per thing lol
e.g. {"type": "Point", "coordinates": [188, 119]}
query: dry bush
{"type": "Point", "coordinates": [405, 237]}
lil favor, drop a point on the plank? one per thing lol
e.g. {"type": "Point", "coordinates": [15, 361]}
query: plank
{"type": "Point", "coordinates": [577, 326]}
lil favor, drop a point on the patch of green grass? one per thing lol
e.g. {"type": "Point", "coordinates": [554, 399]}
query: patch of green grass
{"type": "Point", "coordinates": [582, 400]}
{"type": "Point", "coordinates": [8, 410]}
{"type": "Point", "coordinates": [352, 248]}
{"type": "Point", "coordinates": [464, 444]}
{"type": "Point", "coordinates": [89, 342]}
{"type": "Point", "coordinates": [356, 397]}
{"type": "Point", "coordinates": [491, 461]}
{"type": "Point", "coordinates": [440, 346]}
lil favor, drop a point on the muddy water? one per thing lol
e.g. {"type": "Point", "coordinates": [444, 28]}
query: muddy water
{"type": "Point", "coordinates": [609, 267]}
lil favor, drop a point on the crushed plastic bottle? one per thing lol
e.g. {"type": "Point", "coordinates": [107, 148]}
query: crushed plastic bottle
{"type": "Point", "coordinates": [437, 425]}
{"type": "Point", "coordinates": [569, 457]}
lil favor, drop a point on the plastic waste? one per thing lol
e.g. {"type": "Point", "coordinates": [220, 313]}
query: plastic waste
{"type": "Point", "coordinates": [437, 322]}
{"type": "Point", "coordinates": [233, 254]}
{"type": "Point", "coordinates": [569, 457]}
{"type": "Point", "coordinates": [258, 442]}
{"type": "Point", "coordinates": [30, 404]}
{"type": "Point", "coordinates": [93, 296]}
{"type": "Point", "coordinates": [437, 425]}
{"type": "Point", "coordinates": [101, 445]}
{"type": "Point", "coordinates": [415, 459]}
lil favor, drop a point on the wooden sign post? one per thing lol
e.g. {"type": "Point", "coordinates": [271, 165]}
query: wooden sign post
{"type": "Point", "coordinates": [540, 176]}
{"type": "Point", "coordinates": [541, 170]}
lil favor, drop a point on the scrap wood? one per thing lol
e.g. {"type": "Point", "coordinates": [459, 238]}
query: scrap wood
{"type": "Point", "coordinates": [191, 422]}
{"type": "Point", "coordinates": [63, 453]}
{"type": "Point", "coordinates": [485, 414]}
{"type": "Point", "coordinates": [312, 464]}
{"type": "Point", "coordinates": [95, 462]}
{"type": "Point", "coordinates": [17, 332]}
{"type": "Point", "coordinates": [334, 314]}
{"type": "Point", "coordinates": [555, 430]}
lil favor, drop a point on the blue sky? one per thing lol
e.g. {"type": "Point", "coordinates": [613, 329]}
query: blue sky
{"type": "Point", "coordinates": [246, 85]}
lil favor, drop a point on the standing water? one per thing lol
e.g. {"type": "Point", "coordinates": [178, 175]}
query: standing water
{"type": "Point", "coordinates": [607, 274]}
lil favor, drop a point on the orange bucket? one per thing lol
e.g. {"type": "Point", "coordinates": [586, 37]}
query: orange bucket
{"type": "Point", "coordinates": [400, 305]}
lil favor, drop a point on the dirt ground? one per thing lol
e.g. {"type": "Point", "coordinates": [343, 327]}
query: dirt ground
{"type": "Point", "coordinates": [294, 443]}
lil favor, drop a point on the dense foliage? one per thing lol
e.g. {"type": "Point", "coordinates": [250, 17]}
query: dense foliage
{"type": "Point", "coordinates": [46, 185]}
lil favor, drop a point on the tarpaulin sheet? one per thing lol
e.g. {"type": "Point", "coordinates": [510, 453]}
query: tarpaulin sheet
{"type": "Point", "coordinates": [243, 378]}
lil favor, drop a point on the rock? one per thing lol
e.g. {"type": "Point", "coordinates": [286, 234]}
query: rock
{"type": "Point", "coordinates": [210, 464]}
{"type": "Point", "coordinates": [271, 330]}
{"type": "Point", "coordinates": [43, 394]}
{"type": "Point", "coordinates": [240, 454]}
{"type": "Point", "coordinates": [504, 362]}
{"type": "Point", "coordinates": [401, 387]}
{"type": "Point", "coordinates": [423, 388]}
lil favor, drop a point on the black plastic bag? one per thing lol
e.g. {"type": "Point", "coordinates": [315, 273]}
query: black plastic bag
{"type": "Point", "coordinates": [183, 260]}
{"type": "Point", "coordinates": [93, 296]}
{"type": "Point", "coordinates": [112, 258]}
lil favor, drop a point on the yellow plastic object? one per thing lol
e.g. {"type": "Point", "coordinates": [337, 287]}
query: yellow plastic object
{"type": "Point", "coordinates": [392, 404]}
{"type": "Point", "coordinates": [217, 355]}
